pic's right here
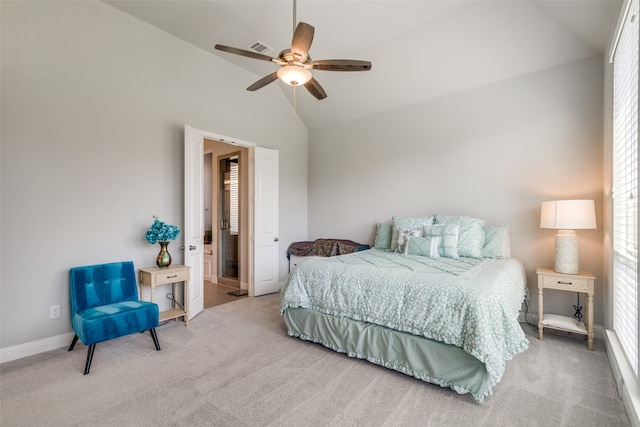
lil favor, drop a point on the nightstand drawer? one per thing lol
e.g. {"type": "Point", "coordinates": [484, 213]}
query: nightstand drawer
{"type": "Point", "coordinates": [154, 276]}
{"type": "Point", "coordinates": [566, 283]}
{"type": "Point", "coordinates": [172, 277]}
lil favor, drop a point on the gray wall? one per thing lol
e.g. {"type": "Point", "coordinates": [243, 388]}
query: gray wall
{"type": "Point", "coordinates": [494, 152]}
{"type": "Point", "coordinates": [94, 104]}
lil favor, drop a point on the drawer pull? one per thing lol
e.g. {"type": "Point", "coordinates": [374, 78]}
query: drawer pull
{"type": "Point", "coordinates": [560, 282]}
{"type": "Point", "coordinates": [171, 277]}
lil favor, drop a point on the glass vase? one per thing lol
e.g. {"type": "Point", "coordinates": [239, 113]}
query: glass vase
{"type": "Point", "coordinates": [164, 258]}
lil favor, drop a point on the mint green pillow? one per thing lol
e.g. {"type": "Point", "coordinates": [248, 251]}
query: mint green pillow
{"type": "Point", "coordinates": [428, 246]}
{"type": "Point", "coordinates": [383, 236]}
{"type": "Point", "coordinates": [448, 245]}
{"type": "Point", "coordinates": [497, 241]}
{"type": "Point", "coordinates": [400, 223]}
{"type": "Point", "coordinates": [404, 236]}
{"type": "Point", "coordinates": [470, 234]}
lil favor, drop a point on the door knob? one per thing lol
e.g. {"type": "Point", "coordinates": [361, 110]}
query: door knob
{"type": "Point", "coordinates": [275, 239]}
{"type": "Point", "coordinates": [192, 248]}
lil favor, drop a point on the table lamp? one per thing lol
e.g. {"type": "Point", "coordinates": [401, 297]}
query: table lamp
{"type": "Point", "coordinates": [566, 216]}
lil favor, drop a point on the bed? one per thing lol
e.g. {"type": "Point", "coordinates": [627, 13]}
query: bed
{"type": "Point", "coordinates": [418, 302]}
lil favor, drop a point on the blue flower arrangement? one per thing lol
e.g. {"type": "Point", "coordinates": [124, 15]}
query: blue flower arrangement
{"type": "Point", "coordinates": [161, 232]}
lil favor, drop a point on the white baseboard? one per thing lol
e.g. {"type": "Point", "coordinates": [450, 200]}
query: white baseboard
{"type": "Point", "coordinates": [47, 344]}
{"type": "Point", "coordinates": [626, 380]}
{"type": "Point", "coordinates": [35, 347]}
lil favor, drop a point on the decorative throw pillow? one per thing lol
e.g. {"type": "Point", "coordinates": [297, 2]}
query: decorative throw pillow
{"type": "Point", "coordinates": [404, 236]}
{"type": "Point", "coordinates": [470, 234]}
{"type": "Point", "coordinates": [448, 244]}
{"type": "Point", "coordinates": [497, 241]}
{"type": "Point", "coordinates": [400, 223]}
{"type": "Point", "coordinates": [428, 246]}
{"type": "Point", "coordinates": [383, 236]}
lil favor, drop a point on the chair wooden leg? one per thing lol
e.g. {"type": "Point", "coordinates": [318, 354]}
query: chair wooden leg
{"type": "Point", "coordinates": [87, 365]}
{"type": "Point", "coordinates": [73, 343]}
{"type": "Point", "coordinates": [152, 331]}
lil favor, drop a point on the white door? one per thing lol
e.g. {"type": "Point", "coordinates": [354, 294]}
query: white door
{"type": "Point", "coordinates": [266, 247]}
{"type": "Point", "coordinates": [194, 216]}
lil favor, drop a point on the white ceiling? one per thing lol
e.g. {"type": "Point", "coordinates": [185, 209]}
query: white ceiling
{"type": "Point", "coordinates": [419, 49]}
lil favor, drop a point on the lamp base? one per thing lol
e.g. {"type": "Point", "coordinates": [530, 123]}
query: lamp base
{"type": "Point", "coordinates": [567, 254]}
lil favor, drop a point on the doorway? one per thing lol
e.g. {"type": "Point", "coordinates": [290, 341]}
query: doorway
{"type": "Point", "coordinates": [226, 190]}
{"type": "Point", "coordinates": [260, 256]}
{"type": "Point", "coordinates": [229, 220]}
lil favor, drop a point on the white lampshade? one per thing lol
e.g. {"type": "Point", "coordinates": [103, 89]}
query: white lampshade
{"type": "Point", "coordinates": [294, 75]}
{"type": "Point", "coordinates": [566, 216]}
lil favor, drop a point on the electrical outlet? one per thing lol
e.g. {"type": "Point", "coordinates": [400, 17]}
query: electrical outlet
{"type": "Point", "coordinates": [54, 312]}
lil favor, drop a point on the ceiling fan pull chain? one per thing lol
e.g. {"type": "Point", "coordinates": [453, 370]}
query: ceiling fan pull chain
{"type": "Point", "coordinates": [295, 116]}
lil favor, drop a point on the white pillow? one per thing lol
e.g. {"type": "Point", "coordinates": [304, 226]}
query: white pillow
{"type": "Point", "coordinates": [564, 322]}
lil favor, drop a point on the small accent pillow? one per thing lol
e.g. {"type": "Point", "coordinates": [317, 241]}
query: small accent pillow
{"type": "Point", "coordinates": [428, 246]}
{"type": "Point", "coordinates": [403, 238]}
{"type": "Point", "coordinates": [497, 241]}
{"type": "Point", "coordinates": [448, 244]}
{"type": "Point", "coordinates": [470, 234]}
{"type": "Point", "coordinates": [383, 236]}
{"type": "Point", "coordinates": [400, 223]}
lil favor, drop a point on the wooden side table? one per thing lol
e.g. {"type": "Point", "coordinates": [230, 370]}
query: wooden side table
{"type": "Point", "coordinates": [581, 282]}
{"type": "Point", "coordinates": [154, 276]}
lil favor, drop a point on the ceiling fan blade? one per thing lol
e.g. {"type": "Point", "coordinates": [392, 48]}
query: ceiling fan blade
{"type": "Point", "coordinates": [340, 65]}
{"type": "Point", "coordinates": [247, 53]}
{"type": "Point", "coordinates": [315, 89]}
{"type": "Point", "coordinates": [264, 81]}
{"type": "Point", "coordinates": [301, 43]}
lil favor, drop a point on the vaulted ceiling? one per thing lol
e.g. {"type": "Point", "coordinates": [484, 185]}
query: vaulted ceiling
{"type": "Point", "coordinates": [419, 49]}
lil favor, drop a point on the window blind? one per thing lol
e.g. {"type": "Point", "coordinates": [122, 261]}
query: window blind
{"type": "Point", "coordinates": [234, 198]}
{"type": "Point", "coordinates": [625, 183]}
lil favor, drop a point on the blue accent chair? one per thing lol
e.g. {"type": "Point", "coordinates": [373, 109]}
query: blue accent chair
{"type": "Point", "coordinates": [105, 305]}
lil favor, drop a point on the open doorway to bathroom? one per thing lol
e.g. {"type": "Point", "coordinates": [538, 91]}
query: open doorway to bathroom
{"type": "Point", "coordinates": [226, 223]}
{"type": "Point", "coordinates": [229, 224]}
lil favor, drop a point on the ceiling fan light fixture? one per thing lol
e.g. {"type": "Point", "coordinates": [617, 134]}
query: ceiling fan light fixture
{"type": "Point", "coordinates": [294, 75]}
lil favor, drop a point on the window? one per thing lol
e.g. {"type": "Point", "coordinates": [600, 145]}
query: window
{"type": "Point", "coordinates": [625, 182]}
{"type": "Point", "coordinates": [234, 196]}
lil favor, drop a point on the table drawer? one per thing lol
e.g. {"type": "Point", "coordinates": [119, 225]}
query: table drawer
{"type": "Point", "coordinates": [566, 283]}
{"type": "Point", "coordinates": [172, 277]}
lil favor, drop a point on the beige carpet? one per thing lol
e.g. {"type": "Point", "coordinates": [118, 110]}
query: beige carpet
{"type": "Point", "coordinates": [236, 366]}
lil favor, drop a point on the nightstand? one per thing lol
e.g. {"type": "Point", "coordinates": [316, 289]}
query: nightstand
{"type": "Point", "coordinates": [581, 282]}
{"type": "Point", "coordinates": [155, 276]}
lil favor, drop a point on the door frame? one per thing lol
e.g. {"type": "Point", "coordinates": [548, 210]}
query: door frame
{"type": "Point", "coordinates": [197, 279]}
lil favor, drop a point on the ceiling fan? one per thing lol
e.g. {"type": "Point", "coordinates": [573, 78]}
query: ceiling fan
{"type": "Point", "coordinates": [295, 63]}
